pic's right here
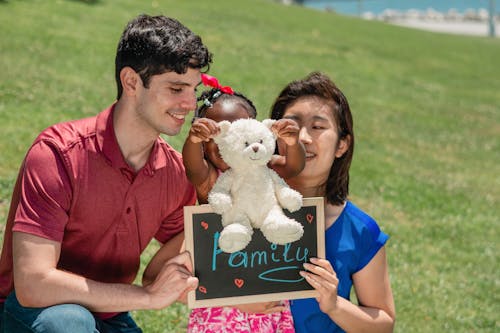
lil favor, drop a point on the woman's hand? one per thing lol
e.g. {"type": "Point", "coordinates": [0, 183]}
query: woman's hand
{"type": "Point", "coordinates": [321, 276]}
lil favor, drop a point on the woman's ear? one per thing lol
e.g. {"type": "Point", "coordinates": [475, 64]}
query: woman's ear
{"type": "Point", "coordinates": [129, 79]}
{"type": "Point", "coordinates": [343, 146]}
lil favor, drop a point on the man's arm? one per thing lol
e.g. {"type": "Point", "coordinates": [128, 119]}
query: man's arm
{"type": "Point", "coordinates": [38, 282]}
{"type": "Point", "coordinates": [166, 252]}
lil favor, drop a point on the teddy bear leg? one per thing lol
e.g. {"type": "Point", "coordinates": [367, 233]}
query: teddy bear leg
{"type": "Point", "coordinates": [236, 235]}
{"type": "Point", "coordinates": [279, 229]}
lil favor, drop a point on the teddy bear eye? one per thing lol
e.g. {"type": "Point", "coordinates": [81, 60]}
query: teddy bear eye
{"type": "Point", "coordinates": [260, 141]}
{"type": "Point", "coordinates": [246, 143]}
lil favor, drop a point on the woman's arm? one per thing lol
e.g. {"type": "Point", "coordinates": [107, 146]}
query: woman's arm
{"type": "Point", "coordinates": [376, 310]}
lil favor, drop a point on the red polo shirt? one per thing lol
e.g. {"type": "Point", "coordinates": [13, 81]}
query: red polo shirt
{"type": "Point", "coordinates": [75, 188]}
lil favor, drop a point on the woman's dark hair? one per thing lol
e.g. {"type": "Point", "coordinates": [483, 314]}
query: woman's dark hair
{"type": "Point", "coordinates": [321, 86]}
{"type": "Point", "coordinates": [209, 97]}
{"type": "Point", "coordinates": [153, 45]}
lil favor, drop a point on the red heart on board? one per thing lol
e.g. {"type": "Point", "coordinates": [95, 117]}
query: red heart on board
{"type": "Point", "coordinates": [204, 225]}
{"type": "Point", "coordinates": [239, 282]}
{"type": "Point", "coordinates": [202, 289]}
{"type": "Point", "coordinates": [309, 218]}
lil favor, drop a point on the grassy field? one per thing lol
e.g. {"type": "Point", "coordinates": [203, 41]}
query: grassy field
{"type": "Point", "coordinates": [427, 119]}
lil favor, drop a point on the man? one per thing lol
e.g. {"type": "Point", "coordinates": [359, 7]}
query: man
{"type": "Point", "coordinates": [92, 193]}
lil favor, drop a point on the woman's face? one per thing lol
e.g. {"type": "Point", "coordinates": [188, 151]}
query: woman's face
{"type": "Point", "coordinates": [222, 110]}
{"type": "Point", "coordinates": [318, 133]}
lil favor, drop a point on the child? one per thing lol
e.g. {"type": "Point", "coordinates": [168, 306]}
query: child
{"type": "Point", "coordinates": [203, 165]}
{"type": "Point", "coordinates": [201, 155]}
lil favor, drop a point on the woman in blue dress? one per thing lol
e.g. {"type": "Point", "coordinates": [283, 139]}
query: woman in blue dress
{"type": "Point", "coordinates": [355, 251]}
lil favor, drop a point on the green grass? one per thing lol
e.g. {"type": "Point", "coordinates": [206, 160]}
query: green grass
{"type": "Point", "coordinates": [427, 121]}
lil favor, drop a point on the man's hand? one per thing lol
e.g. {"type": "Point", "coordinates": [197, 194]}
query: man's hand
{"type": "Point", "coordinates": [173, 281]}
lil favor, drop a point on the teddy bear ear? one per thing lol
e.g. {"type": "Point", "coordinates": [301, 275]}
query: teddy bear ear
{"type": "Point", "coordinates": [224, 127]}
{"type": "Point", "coordinates": [268, 122]}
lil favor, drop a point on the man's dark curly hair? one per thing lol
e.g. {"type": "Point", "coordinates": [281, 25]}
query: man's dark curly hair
{"type": "Point", "coordinates": [153, 45]}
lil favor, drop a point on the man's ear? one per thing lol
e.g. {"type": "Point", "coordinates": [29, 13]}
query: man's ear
{"type": "Point", "coordinates": [343, 146]}
{"type": "Point", "coordinates": [129, 79]}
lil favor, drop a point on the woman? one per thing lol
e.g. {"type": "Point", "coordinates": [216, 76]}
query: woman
{"type": "Point", "coordinates": [355, 252]}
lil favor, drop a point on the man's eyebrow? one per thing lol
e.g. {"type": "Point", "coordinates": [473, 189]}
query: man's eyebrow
{"type": "Point", "coordinates": [182, 83]}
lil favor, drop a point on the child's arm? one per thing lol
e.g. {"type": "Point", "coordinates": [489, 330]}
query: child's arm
{"type": "Point", "coordinates": [197, 168]}
{"type": "Point", "coordinates": [294, 159]}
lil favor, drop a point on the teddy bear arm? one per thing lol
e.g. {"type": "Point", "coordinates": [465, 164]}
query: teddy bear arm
{"type": "Point", "coordinates": [219, 197]}
{"type": "Point", "coordinates": [287, 197]}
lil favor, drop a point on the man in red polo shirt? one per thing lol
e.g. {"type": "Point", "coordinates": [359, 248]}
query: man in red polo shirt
{"type": "Point", "coordinates": [92, 193]}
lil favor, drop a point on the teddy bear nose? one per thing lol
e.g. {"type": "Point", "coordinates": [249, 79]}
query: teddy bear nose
{"type": "Point", "coordinates": [255, 148]}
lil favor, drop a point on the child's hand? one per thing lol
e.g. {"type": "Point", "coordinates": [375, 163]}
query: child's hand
{"type": "Point", "coordinates": [203, 129]}
{"type": "Point", "coordinates": [286, 130]}
{"type": "Point", "coordinates": [321, 276]}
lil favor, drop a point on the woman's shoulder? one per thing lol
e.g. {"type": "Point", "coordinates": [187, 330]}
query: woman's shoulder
{"type": "Point", "coordinates": [360, 220]}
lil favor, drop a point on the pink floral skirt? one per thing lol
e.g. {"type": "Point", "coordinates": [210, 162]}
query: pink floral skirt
{"type": "Point", "coordinates": [232, 320]}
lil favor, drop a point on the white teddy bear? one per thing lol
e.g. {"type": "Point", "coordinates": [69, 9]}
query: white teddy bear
{"type": "Point", "coordinates": [250, 194]}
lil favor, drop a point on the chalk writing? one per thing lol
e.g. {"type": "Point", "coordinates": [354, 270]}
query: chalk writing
{"type": "Point", "coordinates": [262, 270]}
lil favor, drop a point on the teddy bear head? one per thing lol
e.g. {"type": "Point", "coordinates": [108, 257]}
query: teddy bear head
{"type": "Point", "coordinates": [246, 142]}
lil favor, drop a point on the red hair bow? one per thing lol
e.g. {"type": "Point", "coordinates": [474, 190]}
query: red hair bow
{"type": "Point", "coordinates": [212, 81]}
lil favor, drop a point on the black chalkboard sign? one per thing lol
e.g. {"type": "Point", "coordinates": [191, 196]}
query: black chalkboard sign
{"type": "Point", "coordinates": [262, 271]}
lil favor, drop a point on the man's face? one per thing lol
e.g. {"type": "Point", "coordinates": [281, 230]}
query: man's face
{"type": "Point", "coordinates": [164, 105]}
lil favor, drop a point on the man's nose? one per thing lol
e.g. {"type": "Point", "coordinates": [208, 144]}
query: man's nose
{"type": "Point", "coordinates": [189, 102]}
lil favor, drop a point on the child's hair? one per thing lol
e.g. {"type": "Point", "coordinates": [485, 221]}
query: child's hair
{"type": "Point", "coordinates": [320, 85]}
{"type": "Point", "coordinates": [209, 97]}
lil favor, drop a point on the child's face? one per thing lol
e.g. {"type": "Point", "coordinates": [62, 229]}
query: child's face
{"type": "Point", "coordinates": [228, 110]}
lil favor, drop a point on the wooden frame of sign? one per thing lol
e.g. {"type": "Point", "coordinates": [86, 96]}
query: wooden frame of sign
{"type": "Point", "coordinates": [262, 271]}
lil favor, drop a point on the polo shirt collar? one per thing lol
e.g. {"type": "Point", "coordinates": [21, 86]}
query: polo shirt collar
{"type": "Point", "coordinates": [106, 140]}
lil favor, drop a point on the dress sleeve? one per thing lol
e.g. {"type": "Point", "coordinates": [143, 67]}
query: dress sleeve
{"type": "Point", "coordinates": [45, 195]}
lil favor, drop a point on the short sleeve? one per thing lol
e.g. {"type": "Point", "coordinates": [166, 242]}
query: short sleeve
{"type": "Point", "coordinates": [372, 239]}
{"type": "Point", "coordinates": [45, 195]}
{"type": "Point", "coordinates": [174, 223]}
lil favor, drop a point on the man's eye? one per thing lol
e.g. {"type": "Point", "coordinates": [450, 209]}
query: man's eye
{"type": "Point", "coordinates": [176, 90]}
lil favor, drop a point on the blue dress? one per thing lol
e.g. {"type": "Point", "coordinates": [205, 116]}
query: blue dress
{"type": "Point", "coordinates": [350, 243]}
